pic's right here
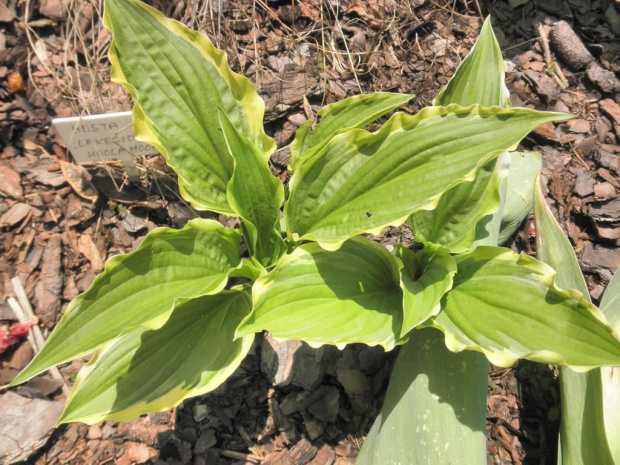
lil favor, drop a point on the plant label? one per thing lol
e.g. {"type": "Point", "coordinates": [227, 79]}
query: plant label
{"type": "Point", "coordinates": [103, 137]}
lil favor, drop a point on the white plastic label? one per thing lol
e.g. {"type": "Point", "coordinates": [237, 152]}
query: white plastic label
{"type": "Point", "coordinates": [102, 137]}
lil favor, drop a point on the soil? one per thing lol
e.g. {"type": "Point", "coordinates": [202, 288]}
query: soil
{"type": "Point", "coordinates": [60, 221]}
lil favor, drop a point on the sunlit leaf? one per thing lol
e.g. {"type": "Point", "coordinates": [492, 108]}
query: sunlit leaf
{"type": "Point", "coordinates": [479, 79]}
{"type": "Point", "coordinates": [507, 306]}
{"type": "Point", "coordinates": [353, 112]}
{"type": "Point", "coordinates": [425, 276]}
{"type": "Point", "coordinates": [582, 424]}
{"type": "Point", "coordinates": [178, 79]}
{"type": "Point", "coordinates": [361, 182]}
{"type": "Point", "coordinates": [255, 195]}
{"type": "Point", "coordinates": [155, 370]}
{"type": "Point", "coordinates": [453, 222]}
{"type": "Point", "coordinates": [140, 288]}
{"type": "Point", "coordinates": [464, 215]}
{"type": "Point", "coordinates": [322, 297]}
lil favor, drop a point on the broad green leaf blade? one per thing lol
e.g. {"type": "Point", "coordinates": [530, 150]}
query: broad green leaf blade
{"type": "Point", "coordinates": [155, 370]}
{"type": "Point", "coordinates": [488, 228]}
{"type": "Point", "coordinates": [362, 182]}
{"type": "Point", "coordinates": [255, 195]}
{"type": "Point", "coordinates": [394, 438]}
{"type": "Point", "coordinates": [507, 306]}
{"type": "Point", "coordinates": [353, 112]}
{"type": "Point", "coordinates": [177, 79]}
{"type": "Point", "coordinates": [610, 376]}
{"type": "Point", "coordinates": [554, 248]}
{"type": "Point", "coordinates": [464, 216]}
{"type": "Point", "coordinates": [610, 305]}
{"type": "Point", "coordinates": [249, 268]}
{"type": "Point", "coordinates": [434, 413]}
{"type": "Point", "coordinates": [322, 297]}
{"type": "Point", "coordinates": [425, 276]}
{"type": "Point", "coordinates": [582, 428]}
{"type": "Point", "coordinates": [453, 222]}
{"type": "Point", "coordinates": [140, 288]}
{"type": "Point", "coordinates": [524, 169]}
{"type": "Point", "coordinates": [479, 79]}
{"type": "Point", "coordinates": [582, 432]}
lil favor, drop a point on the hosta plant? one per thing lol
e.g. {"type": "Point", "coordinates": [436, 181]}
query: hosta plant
{"type": "Point", "coordinates": [174, 318]}
{"type": "Point", "coordinates": [590, 401]}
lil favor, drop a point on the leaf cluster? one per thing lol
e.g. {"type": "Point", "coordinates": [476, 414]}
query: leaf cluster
{"type": "Point", "coordinates": [166, 321]}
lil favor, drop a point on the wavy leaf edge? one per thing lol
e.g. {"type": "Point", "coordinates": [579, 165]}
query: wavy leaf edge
{"type": "Point", "coordinates": [143, 126]}
{"type": "Point", "coordinates": [117, 261]}
{"type": "Point", "coordinates": [548, 277]}
{"type": "Point", "coordinates": [396, 124]}
{"type": "Point", "coordinates": [158, 405]}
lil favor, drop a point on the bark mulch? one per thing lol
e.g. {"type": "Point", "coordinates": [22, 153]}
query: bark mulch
{"type": "Point", "coordinates": [60, 221]}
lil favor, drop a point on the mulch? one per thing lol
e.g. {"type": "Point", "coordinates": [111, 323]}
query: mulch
{"type": "Point", "coordinates": [60, 221]}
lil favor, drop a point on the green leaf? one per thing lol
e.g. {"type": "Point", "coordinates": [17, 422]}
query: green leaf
{"type": "Point", "coordinates": [425, 276]}
{"type": "Point", "coordinates": [610, 305]}
{"type": "Point", "coordinates": [582, 424]}
{"type": "Point", "coordinates": [464, 213]}
{"type": "Point", "coordinates": [582, 432]}
{"type": "Point", "coordinates": [249, 268]}
{"type": "Point", "coordinates": [524, 168]}
{"type": "Point", "coordinates": [255, 195]}
{"type": "Point", "coordinates": [322, 297]}
{"type": "Point", "coordinates": [488, 228]}
{"type": "Point", "coordinates": [353, 112]}
{"type": "Point", "coordinates": [554, 248]}
{"type": "Point", "coordinates": [178, 79]}
{"type": "Point", "coordinates": [610, 376]}
{"type": "Point", "coordinates": [362, 182]}
{"type": "Point", "coordinates": [434, 412]}
{"type": "Point", "coordinates": [447, 389]}
{"type": "Point", "coordinates": [140, 289]}
{"type": "Point", "coordinates": [479, 79]}
{"type": "Point", "coordinates": [507, 306]}
{"type": "Point", "coordinates": [453, 222]}
{"type": "Point", "coordinates": [517, 193]}
{"type": "Point", "coordinates": [155, 370]}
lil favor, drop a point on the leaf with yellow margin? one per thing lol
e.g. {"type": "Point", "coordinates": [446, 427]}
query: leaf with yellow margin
{"type": "Point", "coordinates": [154, 370]}
{"type": "Point", "coordinates": [140, 289]}
{"type": "Point", "coordinates": [178, 79]}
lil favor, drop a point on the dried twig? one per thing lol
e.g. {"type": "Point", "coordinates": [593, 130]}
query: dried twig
{"type": "Point", "coordinates": [479, 10]}
{"type": "Point", "coordinates": [578, 156]}
{"type": "Point", "coordinates": [25, 313]}
{"type": "Point", "coordinates": [240, 456]}
{"type": "Point", "coordinates": [23, 310]}
{"type": "Point", "coordinates": [553, 65]}
{"type": "Point", "coordinates": [18, 312]}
